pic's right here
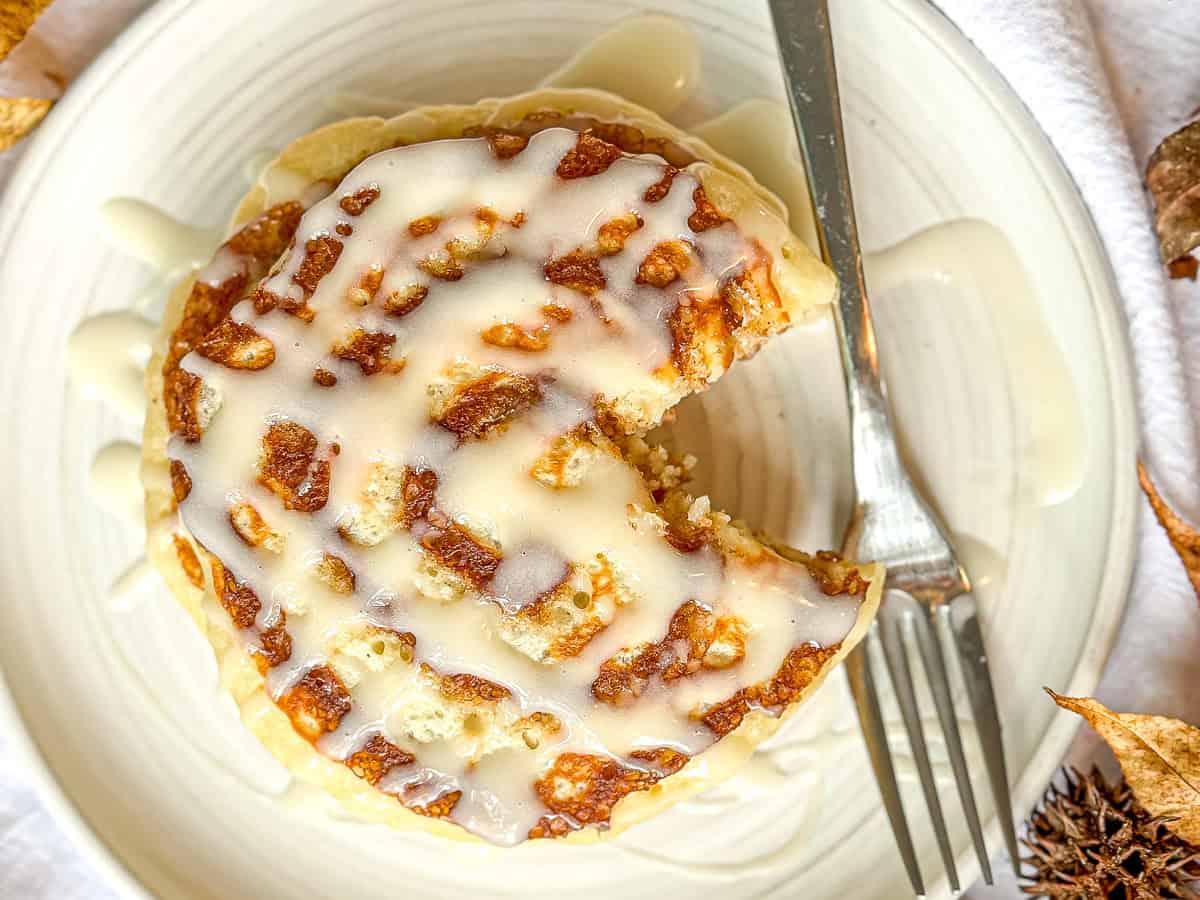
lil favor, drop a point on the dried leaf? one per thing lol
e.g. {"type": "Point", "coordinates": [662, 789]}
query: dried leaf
{"type": "Point", "coordinates": [19, 116]}
{"type": "Point", "coordinates": [1184, 267]}
{"type": "Point", "coordinates": [1184, 538]}
{"type": "Point", "coordinates": [1173, 177]}
{"type": "Point", "coordinates": [1159, 756]}
{"type": "Point", "coordinates": [16, 17]}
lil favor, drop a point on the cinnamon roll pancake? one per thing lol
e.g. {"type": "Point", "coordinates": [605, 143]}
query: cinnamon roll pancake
{"type": "Point", "coordinates": [396, 467]}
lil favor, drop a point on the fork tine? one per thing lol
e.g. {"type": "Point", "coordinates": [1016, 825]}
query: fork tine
{"type": "Point", "coordinates": [870, 718]}
{"type": "Point", "coordinates": [939, 684]}
{"type": "Point", "coordinates": [963, 619]}
{"type": "Point", "coordinates": [897, 663]}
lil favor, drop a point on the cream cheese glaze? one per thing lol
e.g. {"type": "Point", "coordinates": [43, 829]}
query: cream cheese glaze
{"type": "Point", "coordinates": [397, 225]}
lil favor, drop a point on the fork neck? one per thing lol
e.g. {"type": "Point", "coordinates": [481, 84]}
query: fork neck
{"type": "Point", "coordinates": [806, 48]}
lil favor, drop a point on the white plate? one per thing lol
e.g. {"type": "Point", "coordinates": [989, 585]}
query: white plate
{"type": "Point", "coordinates": [1002, 342]}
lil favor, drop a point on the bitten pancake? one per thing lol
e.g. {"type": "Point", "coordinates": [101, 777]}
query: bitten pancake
{"type": "Point", "coordinates": [394, 467]}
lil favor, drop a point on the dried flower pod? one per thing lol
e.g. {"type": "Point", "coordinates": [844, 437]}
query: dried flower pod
{"type": "Point", "coordinates": [1090, 840]}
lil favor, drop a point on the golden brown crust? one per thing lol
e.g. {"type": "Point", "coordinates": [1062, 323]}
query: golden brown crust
{"type": "Point", "coordinates": [557, 313]}
{"type": "Point", "coordinates": [371, 350]}
{"type": "Point", "coordinates": [665, 759]}
{"type": "Point", "coordinates": [506, 142]}
{"type": "Point", "coordinates": [289, 467]}
{"type": "Point", "coordinates": [488, 403]}
{"type": "Point", "coordinates": [237, 346]}
{"type": "Point", "coordinates": [456, 548]}
{"type": "Point", "coordinates": [316, 703]}
{"type": "Point", "coordinates": [576, 270]}
{"type": "Point", "coordinates": [181, 393]}
{"type": "Point", "coordinates": [503, 144]}
{"type": "Point", "coordinates": [684, 650]}
{"type": "Point", "coordinates": [335, 574]}
{"type": "Point", "coordinates": [466, 688]}
{"type": "Point", "coordinates": [366, 287]}
{"type": "Point", "coordinates": [188, 560]}
{"type": "Point", "coordinates": [440, 808]}
{"type": "Point", "coordinates": [702, 339]}
{"type": "Point", "coordinates": [354, 204]}
{"type": "Point", "coordinates": [835, 576]}
{"type": "Point", "coordinates": [181, 482]}
{"type": "Point", "coordinates": [512, 336]}
{"type": "Point", "coordinates": [265, 301]}
{"type": "Point", "coordinates": [402, 302]}
{"type": "Point", "coordinates": [274, 644]}
{"type": "Point", "coordinates": [611, 237]}
{"type": "Point", "coordinates": [664, 264]}
{"type": "Point", "coordinates": [376, 758]}
{"type": "Point", "coordinates": [705, 215]}
{"type": "Point", "coordinates": [662, 187]}
{"type": "Point", "coordinates": [265, 237]}
{"type": "Point", "coordinates": [591, 155]}
{"type": "Point", "coordinates": [585, 788]}
{"type": "Point", "coordinates": [687, 536]}
{"type": "Point", "coordinates": [239, 600]}
{"type": "Point", "coordinates": [207, 306]}
{"type": "Point", "coordinates": [254, 247]}
{"type": "Point", "coordinates": [418, 491]}
{"type": "Point", "coordinates": [800, 667]}
{"type": "Point", "coordinates": [423, 226]}
{"type": "Point", "coordinates": [252, 528]}
{"type": "Point", "coordinates": [320, 256]}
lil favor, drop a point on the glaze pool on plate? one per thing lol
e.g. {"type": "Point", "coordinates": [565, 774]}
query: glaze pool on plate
{"type": "Point", "coordinates": [108, 739]}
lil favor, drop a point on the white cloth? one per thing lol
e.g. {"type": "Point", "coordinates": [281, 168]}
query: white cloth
{"type": "Point", "coordinates": [1107, 79]}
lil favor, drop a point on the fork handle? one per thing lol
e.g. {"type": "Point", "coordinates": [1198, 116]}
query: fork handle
{"type": "Point", "coordinates": [806, 48]}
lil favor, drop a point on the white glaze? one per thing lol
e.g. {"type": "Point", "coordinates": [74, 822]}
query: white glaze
{"type": "Point", "coordinates": [130, 584]}
{"type": "Point", "coordinates": [116, 481]}
{"type": "Point", "coordinates": [486, 484]}
{"type": "Point", "coordinates": [107, 354]}
{"type": "Point", "coordinates": [935, 253]}
{"type": "Point", "coordinates": [974, 257]}
{"type": "Point", "coordinates": [611, 62]}
{"type": "Point", "coordinates": [147, 232]}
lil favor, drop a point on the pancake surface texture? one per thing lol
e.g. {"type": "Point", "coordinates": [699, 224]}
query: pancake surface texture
{"type": "Point", "coordinates": [395, 468]}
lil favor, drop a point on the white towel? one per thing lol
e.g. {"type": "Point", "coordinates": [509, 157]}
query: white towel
{"type": "Point", "coordinates": [1106, 79]}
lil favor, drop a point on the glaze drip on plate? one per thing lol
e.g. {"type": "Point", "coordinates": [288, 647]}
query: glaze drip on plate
{"type": "Point", "coordinates": [407, 450]}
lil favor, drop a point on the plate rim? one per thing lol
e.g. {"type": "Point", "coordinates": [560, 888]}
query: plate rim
{"type": "Point", "coordinates": [1105, 302]}
{"type": "Point", "coordinates": [16, 196]}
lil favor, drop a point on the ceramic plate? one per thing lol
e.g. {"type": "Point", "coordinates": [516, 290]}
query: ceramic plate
{"type": "Point", "coordinates": [1000, 335]}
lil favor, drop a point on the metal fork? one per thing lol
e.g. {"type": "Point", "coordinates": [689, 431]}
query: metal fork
{"type": "Point", "coordinates": [927, 590]}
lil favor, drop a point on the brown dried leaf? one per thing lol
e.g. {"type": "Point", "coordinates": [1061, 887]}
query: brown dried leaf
{"type": "Point", "coordinates": [19, 116]}
{"type": "Point", "coordinates": [1173, 178]}
{"type": "Point", "coordinates": [1184, 538]}
{"type": "Point", "coordinates": [16, 17]}
{"type": "Point", "coordinates": [1159, 756]}
{"type": "Point", "coordinates": [1184, 267]}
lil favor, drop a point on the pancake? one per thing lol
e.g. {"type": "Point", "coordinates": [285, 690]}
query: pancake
{"type": "Point", "coordinates": [396, 468]}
